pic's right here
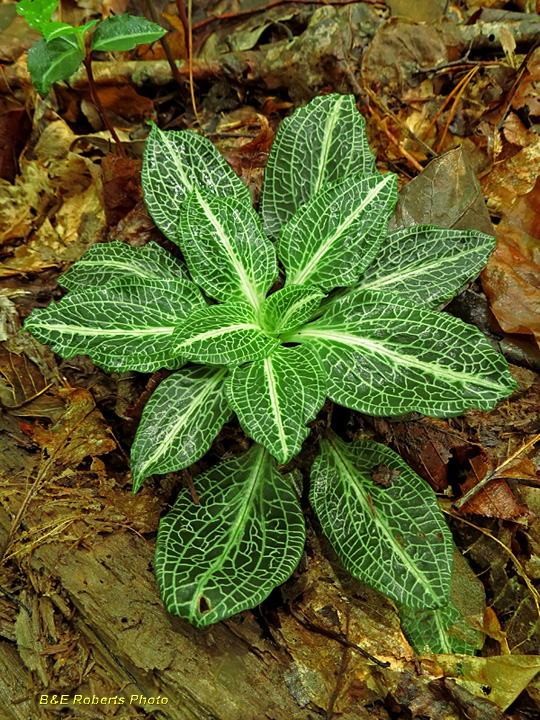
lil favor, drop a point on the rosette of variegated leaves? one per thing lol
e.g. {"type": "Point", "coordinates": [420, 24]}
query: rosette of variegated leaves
{"type": "Point", "coordinates": [354, 321]}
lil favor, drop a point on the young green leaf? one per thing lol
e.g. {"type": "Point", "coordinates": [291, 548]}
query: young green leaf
{"type": "Point", "coordinates": [275, 397]}
{"type": "Point", "coordinates": [227, 334]}
{"type": "Point", "coordinates": [51, 61]}
{"type": "Point", "coordinates": [288, 308]}
{"type": "Point", "coordinates": [227, 253]}
{"type": "Point", "coordinates": [179, 422]}
{"type": "Point", "coordinates": [107, 262]}
{"type": "Point", "coordinates": [426, 264]}
{"type": "Point", "coordinates": [127, 325]}
{"type": "Point", "coordinates": [226, 554]}
{"type": "Point", "coordinates": [383, 521]}
{"type": "Point", "coordinates": [53, 30]}
{"type": "Point", "coordinates": [37, 13]}
{"type": "Point", "coordinates": [174, 164]}
{"type": "Point", "coordinates": [125, 32]}
{"type": "Point", "coordinates": [320, 143]}
{"type": "Point", "coordinates": [335, 235]}
{"type": "Point", "coordinates": [385, 356]}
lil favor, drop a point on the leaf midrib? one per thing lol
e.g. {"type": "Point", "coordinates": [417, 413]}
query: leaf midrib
{"type": "Point", "coordinates": [299, 278]}
{"type": "Point", "coordinates": [219, 332]}
{"type": "Point", "coordinates": [92, 332]}
{"type": "Point", "coordinates": [329, 127]}
{"type": "Point", "coordinates": [401, 275]}
{"type": "Point", "coordinates": [274, 404]}
{"type": "Point", "coordinates": [246, 284]}
{"type": "Point", "coordinates": [196, 400]}
{"type": "Point", "coordinates": [437, 371]}
{"type": "Point", "coordinates": [377, 519]}
{"type": "Point", "coordinates": [239, 523]}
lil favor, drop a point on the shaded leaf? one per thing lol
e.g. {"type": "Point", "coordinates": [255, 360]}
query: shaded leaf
{"type": "Point", "coordinates": [392, 538]}
{"type": "Point", "coordinates": [446, 194]}
{"type": "Point", "coordinates": [228, 553]}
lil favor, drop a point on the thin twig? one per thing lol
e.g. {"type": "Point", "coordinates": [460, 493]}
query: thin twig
{"type": "Point", "coordinates": [341, 673]}
{"type": "Point", "coordinates": [164, 43]}
{"type": "Point", "coordinates": [29, 399]}
{"type": "Point", "coordinates": [335, 636]}
{"type": "Point", "coordinates": [491, 475]}
{"type": "Point", "coordinates": [275, 3]}
{"type": "Point", "coordinates": [456, 89]}
{"type": "Point", "coordinates": [466, 81]}
{"type": "Point", "coordinates": [16, 600]}
{"type": "Point", "coordinates": [93, 91]}
{"type": "Point", "coordinates": [519, 567]}
{"type": "Point", "coordinates": [190, 60]}
{"type": "Point", "coordinates": [406, 154]}
{"type": "Point", "coordinates": [181, 8]}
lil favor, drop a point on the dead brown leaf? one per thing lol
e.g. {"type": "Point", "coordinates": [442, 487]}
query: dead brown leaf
{"type": "Point", "coordinates": [121, 186]}
{"type": "Point", "coordinates": [511, 281]}
{"type": "Point", "coordinates": [494, 500]}
{"type": "Point", "coordinates": [80, 432]}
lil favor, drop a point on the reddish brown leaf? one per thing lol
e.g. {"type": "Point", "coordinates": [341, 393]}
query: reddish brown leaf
{"type": "Point", "coordinates": [121, 186]}
{"type": "Point", "coordinates": [427, 445]}
{"type": "Point", "coordinates": [15, 128]}
{"type": "Point", "coordinates": [496, 499]}
{"type": "Point", "coordinates": [512, 283]}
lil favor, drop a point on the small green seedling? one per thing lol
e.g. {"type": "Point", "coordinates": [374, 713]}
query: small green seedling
{"type": "Point", "coordinates": [354, 321]}
{"type": "Point", "coordinates": [62, 49]}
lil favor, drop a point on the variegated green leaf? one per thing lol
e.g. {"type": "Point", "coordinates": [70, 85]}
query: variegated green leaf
{"type": "Point", "coordinates": [179, 422]}
{"type": "Point", "coordinates": [383, 521]}
{"type": "Point", "coordinates": [227, 253]}
{"type": "Point", "coordinates": [385, 356]}
{"type": "Point", "coordinates": [453, 628]}
{"type": "Point", "coordinates": [226, 554]}
{"type": "Point", "coordinates": [125, 32]}
{"type": "Point", "coordinates": [106, 262]}
{"type": "Point", "coordinates": [440, 630]}
{"type": "Point", "coordinates": [275, 397]}
{"type": "Point", "coordinates": [174, 164]}
{"type": "Point", "coordinates": [290, 307]}
{"type": "Point", "coordinates": [127, 325]}
{"type": "Point", "coordinates": [426, 264]}
{"type": "Point", "coordinates": [227, 334]}
{"type": "Point", "coordinates": [320, 143]}
{"type": "Point", "coordinates": [335, 236]}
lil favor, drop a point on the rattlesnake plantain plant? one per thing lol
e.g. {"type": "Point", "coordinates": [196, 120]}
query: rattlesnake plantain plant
{"type": "Point", "coordinates": [354, 322]}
